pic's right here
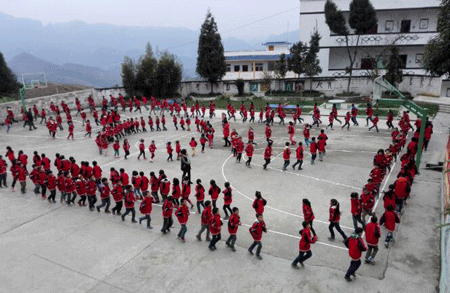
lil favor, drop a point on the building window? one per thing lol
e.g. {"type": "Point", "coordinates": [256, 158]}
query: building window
{"type": "Point", "coordinates": [404, 59]}
{"type": "Point", "coordinates": [366, 63]}
{"type": "Point", "coordinates": [258, 67]}
{"type": "Point", "coordinates": [228, 67]}
{"type": "Point", "coordinates": [271, 66]}
{"type": "Point", "coordinates": [237, 68]}
{"type": "Point", "coordinates": [389, 25]}
{"type": "Point", "coordinates": [448, 92]}
{"type": "Point", "coordinates": [271, 48]}
{"type": "Point", "coordinates": [423, 24]}
{"type": "Point", "coordinates": [405, 26]}
{"type": "Point", "coordinates": [419, 58]}
{"type": "Point", "coordinates": [244, 68]}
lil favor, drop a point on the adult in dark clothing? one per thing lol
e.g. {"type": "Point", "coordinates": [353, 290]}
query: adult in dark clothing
{"type": "Point", "coordinates": [185, 164]}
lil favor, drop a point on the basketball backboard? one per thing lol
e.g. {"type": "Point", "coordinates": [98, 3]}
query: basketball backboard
{"type": "Point", "coordinates": [34, 80]}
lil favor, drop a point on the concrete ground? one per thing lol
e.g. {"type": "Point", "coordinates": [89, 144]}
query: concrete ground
{"type": "Point", "coordinates": [57, 248]}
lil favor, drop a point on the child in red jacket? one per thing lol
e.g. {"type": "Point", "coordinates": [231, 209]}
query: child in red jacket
{"type": "Point", "coordinates": [308, 213]}
{"type": "Point", "coordinates": [228, 199]}
{"type": "Point", "coordinates": [203, 142]}
{"type": "Point", "coordinates": [167, 210]}
{"type": "Point", "coordinates": [215, 227]}
{"type": "Point", "coordinates": [146, 209]}
{"type": "Point", "coordinates": [141, 149]}
{"type": "Point", "coordinates": [375, 122]}
{"type": "Point", "coordinates": [313, 150]}
{"type": "Point", "coordinates": [373, 233]}
{"type": "Point", "coordinates": [169, 151]}
{"type": "Point", "coordinates": [193, 144]}
{"type": "Point", "coordinates": [182, 214]}
{"type": "Point", "coordinates": [200, 195]}
{"type": "Point", "coordinates": [259, 203]}
{"type": "Point", "coordinates": [304, 245]}
{"type": "Point", "coordinates": [214, 192]}
{"type": "Point", "coordinates": [116, 147]}
{"type": "Point", "coordinates": [356, 246]}
{"type": "Point", "coordinates": [256, 231]}
{"type": "Point", "coordinates": [389, 219]}
{"type": "Point", "coordinates": [233, 224]}
{"type": "Point", "coordinates": [205, 222]}
{"type": "Point", "coordinates": [356, 209]}
{"type": "Point", "coordinates": [71, 127]}
{"type": "Point", "coordinates": [152, 150]}
{"type": "Point", "coordinates": [335, 217]}
{"type": "Point", "coordinates": [129, 204]}
{"type": "Point", "coordinates": [178, 149]}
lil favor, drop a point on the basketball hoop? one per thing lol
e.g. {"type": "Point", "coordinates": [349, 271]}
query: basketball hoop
{"type": "Point", "coordinates": [34, 80]}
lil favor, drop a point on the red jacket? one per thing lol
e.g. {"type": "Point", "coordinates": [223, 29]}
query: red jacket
{"type": "Point", "coordinates": [206, 216]}
{"type": "Point", "coordinates": [146, 206]}
{"type": "Point", "coordinates": [258, 205]}
{"type": "Point", "coordinates": [299, 153]}
{"type": "Point", "coordinates": [51, 182]}
{"type": "Point", "coordinates": [389, 219]}
{"type": "Point", "coordinates": [117, 193]}
{"type": "Point", "coordinates": [402, 188]}
{"type": "Point", "coordinates": [22, 174]}
{"type": "Point", "coordinates": [373, 233]}
{"type": "Point", "coordinates": [105, 192]}
{"type": "Point", "coordinates": [306, 240]}
{"type": "Point", "coordinates": [233, 224]}
{"type": "Point", "coordinates": [367, 201]}
{"type": "Point", "coordinates": [249, 150]}
{"type": "Point", "coordinates": [256, 230]}
{"type": "Point", "coordinates": [200, 192]}
{"type": "Point", "coordinates": [286, 153]}
{"type": "Point", "coordinates": [355, 247]}
{"type": "Point", "coordinates": [389, 199]}
{"type": "Point", "coordinates": [313, 148]}
{"type": "Point", "coordinates": [216, 225]}
{"type": "Point", "coordinates": [308, 213]}
{"type": "Point", "coordinates": [214, 192]}
{"type": "Point", "coordinates": [356, 206]}
{"type": "Point", "coordinates": [227, 196]}
{"type": "Point", "coordinates": [129, 200]}
{"type": "Point", "coordinates": [182, 214]}
{"type": "Point", "coordinates": [268, 152]}
{"type": "Point", "coordinates": [167, 209]}
{"type": "Point", "coordinates": [335, 217]}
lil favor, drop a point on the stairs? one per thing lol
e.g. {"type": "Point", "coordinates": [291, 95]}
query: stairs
{"type": "Point", "coordinates": [444, 108]}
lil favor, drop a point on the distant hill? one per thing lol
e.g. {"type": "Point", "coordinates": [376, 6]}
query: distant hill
{"type": "Point", "coordinates": [64, 74]}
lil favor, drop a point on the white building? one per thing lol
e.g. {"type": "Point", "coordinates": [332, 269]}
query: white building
{"type": "Point", "coordinates": [410, 24]}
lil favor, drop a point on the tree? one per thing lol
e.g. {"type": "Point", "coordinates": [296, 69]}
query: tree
{"type": "Point", "coordinates": [394, 65]}
{"type": "Point", "coordinates": [297, 58]}
{"type": "Point", "coordinates": [312, 67]}
{"type": "Point", "coordinates": [240, 86]}
{"type": "Point", "coordinates": [129, 76]}
{"type": "Point", "coordinates": [362, 20]}
{"type": "Point", "coordinates": [281, 69]}
{"type": "Point", "coordinates": [146, 67]}
{"type": "Point", "coordinates": [267, 80]}
{"type": "Point", "coordinates": [8, 84]}
{"type": "Point", "coordinates": [167, 75]}
{"type": "Point", "coordinates": [436, 58]}
{"type": "Point", "coordinates": [211, 59]}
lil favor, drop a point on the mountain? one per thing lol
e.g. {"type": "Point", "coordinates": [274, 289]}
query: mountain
{"type": "Point", "coordinates": [68, 73]}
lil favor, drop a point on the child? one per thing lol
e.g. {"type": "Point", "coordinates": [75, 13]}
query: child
{"type": "Point", "coordinates": [193, 145]}
{"type": "Point", "coordinates": [307, 134]}
{"type": "Point", "coordinates": [375, 123]}
{"type": "Point", "coordinates": [304, 245]}
{"type": "Point", "coordinates": [116, 147]}
{"type": "Point", "coordinates": [205, 222]}
{"type": "Point", "coordinates": [389, 197]}
{"type": "Point", "coordinates": [154, 187]}
{"type": "Point", "coordinates": [299, 156]}
{"type": "Point", "coordinates": [286, 156]}
{"type": "Point", "coordinates": [126, 148]}
{"type": "Point", "coordinates": [182, 214]}
{"type": "Point", "coordinates": [141, 149]}
{"type": "Point", "coordinates": [152, 149]}
{"type": "Point", "coordinates": [249, 152]}
{"type": "Point", "coordinates": [335, 216]}
{"type": "Point", "coordinates": [165, 187]}
{"type": "Point", "coordinates": [71, 127]}
{"type": "Point", "coordinates": [167, 210]}
{"type": "Point", "coordinates": [259, 203]}
{"type": "Point", "coordinates": [356, 246]}
{"type": "Point", "coordinates": [105, 196]}
{"type": "Point", "coordinates": [308, 213]}
{"type": "Point", "coordinates": [267, 155]}
{"type": "Point", "coordinates": [203, 142]}
{"type": "Point", "coordinates": [313, 150]}
{"type": "Point", "coordinates": [321, 147]}
{"type": "Point", "coordinates": [176, 191]}
{"type": "Point", "coordinates": [214, 192]}
{"type": "Point", "coordinates": [169, 151]}
{"type": "Point", "coordinates": [256, 231]}
{"type": "Point", "coordinates": [347, 121]}
{"type": "Point", "coordinates": [215, 228]}
{"type": "Point", "coordinates": [129, 205]}
{"type": "Point", "coordinates": [136, 181]}
{"type": "Point", "coordinates": [372, 235]}
{"type": "Point", "coordinates": [146, 209]}
{"type": "Point", "coordinates": [356, 210]}
{"type": "Point", "coordinates": [239, 149]}
{"type": "Point", "coordinates": [117, 194]}
{"type": "Point", "coordinates": [186, 190]}
{"type": "Point", "coordinates": [389, 219]}
{"type": "Point", "coordinates": [233, 224]}
{"type": "Point", "coordinates": [330, 119]}
{"type": "Point", "coordinates": [228, 199]}
{"type": "Point", "coordinates": [178, 149]}
{"type": "Point", "coordinates": [200, 195]}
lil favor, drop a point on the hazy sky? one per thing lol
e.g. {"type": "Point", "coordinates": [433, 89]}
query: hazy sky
{"type": "Point", "coordinates": [229, 14]}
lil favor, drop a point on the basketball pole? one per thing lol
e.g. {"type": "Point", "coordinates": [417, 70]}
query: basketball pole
{"type": "Point", "coordinates": [22, 93]}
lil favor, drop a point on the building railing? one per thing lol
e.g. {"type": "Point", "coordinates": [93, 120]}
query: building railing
{"type": "Point", "coordinates": [380, 39]}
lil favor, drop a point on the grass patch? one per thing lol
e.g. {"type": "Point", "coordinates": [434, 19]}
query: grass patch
{"type": "Point", "coordinates": [383, 112]}
{"type": "Point", "coordinates": [6, 100]}
{"type": "Point", "coordinates": [432, 108]}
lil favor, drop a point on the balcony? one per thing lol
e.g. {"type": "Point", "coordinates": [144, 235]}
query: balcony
{"type": "Point", "coordinates": [374, 40]}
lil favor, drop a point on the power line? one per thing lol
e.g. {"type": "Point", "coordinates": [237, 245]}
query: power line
{"type": "Point", "coordinates": [239, 27]}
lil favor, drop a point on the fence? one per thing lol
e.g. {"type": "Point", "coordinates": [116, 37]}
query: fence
{"type": "Point", "coordinates": [445, 231]}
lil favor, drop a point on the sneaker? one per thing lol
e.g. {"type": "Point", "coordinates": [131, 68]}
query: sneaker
{"type": "Point", "coordinates": [140, 221]}
{"type": "Point", "coordinates": [211, 248]}
{"type": "Point", "coordinates": [208, 239]}
{"type": "Point", "coordinates": [331, 238]}
{"type": "Point", "coordinates": [251, 252]}
{"type": "Point", "coordinates": [107, 212]}
{"type": "Point", "coordinates": [149, 227]}
{"type": "Point", "coordinates": [295, 266]}
{"type": "Point", "coordinates": [348, 279]}
{"type": "Point", "coordinates": [233, 249]}
{"type": "Point", "coordinates": [259, 257]}
{"type": "Point", "coordinates": [199, 238]}
{"type": "Point", "coordinates": [133, 221]}
{"type": "Point", "coordinates": [367, 261]}
{"type": "Point", "coordinates": [123, 218]}
{"type": "Point", "coordinates": [98, 209]}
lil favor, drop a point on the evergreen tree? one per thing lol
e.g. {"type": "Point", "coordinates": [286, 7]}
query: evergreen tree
{"type": "Point", "coordinates": [8, 80]}
{"type": "Point", "coordinates": [145, 72]}
{"type": "Point", "coordinates": [312, 67]}
{"type": "Point", "coordinates": [394, 65]}
{"type": "Point", "coordinates": [129, 76]}
{"type": "Point", "coordinates": [240, 84]}
{"type": "Point", "coordinates": [281, 69]}
{"type": "Point", "coordinates": [362, 20]}
{"type": "Point", "coordinates": [167, 75]}
{"type": "Point", "coordinates": [296, 62]}
{"type": "Point", "coordinates": [211, 59]}
{"type": "Point", "coordinates": [437, 52]}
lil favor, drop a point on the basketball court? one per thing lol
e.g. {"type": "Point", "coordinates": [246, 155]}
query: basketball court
{"type": "Point", "coordinates": [62, 247]}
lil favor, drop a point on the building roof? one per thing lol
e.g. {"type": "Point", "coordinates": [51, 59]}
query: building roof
{"type": "Point", "coordinates": [253, 57]}
{"type": "Point", "coordinates": [276, 43]}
